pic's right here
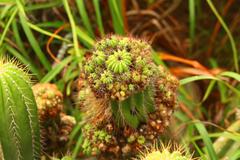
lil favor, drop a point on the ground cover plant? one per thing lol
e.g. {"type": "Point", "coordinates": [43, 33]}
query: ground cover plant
{"type": "Point", "coordinates": [124, 79]}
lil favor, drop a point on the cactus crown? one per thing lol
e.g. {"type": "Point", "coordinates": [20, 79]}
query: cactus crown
{"type": "Point", "coordinates": [19, 131]}
{"type": "Point", "coordinates": [166, 153]}
{"type": "Point", "coordinates": [119, 67]}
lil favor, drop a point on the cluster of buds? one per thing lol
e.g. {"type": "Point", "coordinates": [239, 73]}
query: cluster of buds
{"type": "Point", "coordinates": [124, 142]}
{"type": "Point", "coordinates": [56, 125]}
{"type": "Point", "coordinates": [119, 67]}
{"type": "Point", "coordinates": [125, 95]}
{"type": "Point", "coordinates": [49, 100]}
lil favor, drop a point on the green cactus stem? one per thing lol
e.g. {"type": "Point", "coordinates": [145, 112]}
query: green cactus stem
{"type": "Point", "coordinates": [19, 131]}
{"type": "Point", "coordinates": [134, 109]}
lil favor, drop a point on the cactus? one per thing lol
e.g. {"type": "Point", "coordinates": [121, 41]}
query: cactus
{"type": "Point", "coordinates": [19, 131]}
{"type": "Point", "coordinates": [121, 70]}
{"type": "Point", "coordinates": [124, 94]}
{"type": "Point", "coordinates": [165, 153]}
{"type": "Point", "coordinates": [49, 100]}
{"type": "Point", "coordinates": [56, 126]}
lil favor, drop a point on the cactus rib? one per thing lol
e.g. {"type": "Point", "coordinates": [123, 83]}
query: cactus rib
{"type": "Point", "coordinates": [20, 135]}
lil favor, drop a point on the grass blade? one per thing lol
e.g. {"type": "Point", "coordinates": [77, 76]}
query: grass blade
{"type": "Point", "coordinates": [209, 89]}
{"type": "Point", "coordinates": [39, 6]}
{"type": "Point", "coordinates": [84, 16]}
{"type": "Point", "coordinates": [7, 25]}
{"type": "Point", "coordinates": [77, 147]}
{"type": "Point", "coordinates": [18, 39]}
{"type": "Point", "coordinates": [98, 16]}
{"type": "Point", "coordinates": [40, 30]}
{"type": "Point", "coordinates": [33, 42]}
{"type": "Point", "coordinates": [207, 141]}
{"type": "Point", "coordinates": [116, 17]}
{"type": "Point", "coordinates": [85, 38]}
{"type": "Point", "coordinates": [233, 44]}
{"type": "Point", "coordinates": [192, 21]}
{"type": "Point", "coordinates": [235, 156]}
{"type": "Point", "coordinates": [73, 26]}
{"type": "Point", "coordinates": [196, 78]}
{"type": "Point", "coordinates": [56, 70]}
{"type": "Point", "coordinates": [231, 75]}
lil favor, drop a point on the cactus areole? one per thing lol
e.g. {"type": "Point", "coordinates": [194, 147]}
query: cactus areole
{"type": "Point", "coordinates": [19, 131]}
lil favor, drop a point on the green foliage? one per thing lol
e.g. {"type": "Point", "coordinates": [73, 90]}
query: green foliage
{"type": "Point", "coordinates": [93, 137]}
{"type": "Point", "coordinates": [24, 36]}
{"type": "Point", "coordinates": [19, 132]}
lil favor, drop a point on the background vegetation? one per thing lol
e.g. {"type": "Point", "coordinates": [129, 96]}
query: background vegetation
{"type": "Point", "coordinates": [197, 40]}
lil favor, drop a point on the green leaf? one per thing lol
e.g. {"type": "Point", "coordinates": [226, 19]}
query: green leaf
{"type": "Point", "coordinates": [207, 141]}
{"type": "Point", "coordinates": [56, 70]}
{"type": "Point", "coordinates": [116, 17]}
{"type": "Point", "coordinates": [73, 26]}
{"type": "Point", "coordinates": [98, 16]}
{"type": "Point", "coordinates": [33, 42]}
{"type": "Point", "coordinates": [40, 30]}
{"type": "Point", "coordinates": [209, 89]}
{"type": "Point", "coordinates": [233, 75]}
{"type": "Point", "coordinates": [196, 78]}
{"type": "Point", "coordinates": [3, 34]}
{"type": "Point", "coordinates": [233, 44]}
{"type": "Point", "coordinates": [84, 38]}
{"type": "Point", "coordinates": [77, 147]}
{"type": "Point", "coordinates": [191, 6]}
{"type": "Point", "coordinates": [235, 156]}
{"type": "Point", "coordinates": [84, 16]}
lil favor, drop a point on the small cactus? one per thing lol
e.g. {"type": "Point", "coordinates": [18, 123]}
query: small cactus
{"type": "Point", "coordinates": [165, 153]}
{"type": "Point", "coordinates": [49, 100]}
{"type": "Point", "coordinates": [19, 131]}
{"type": "Point", "coordinates": [56, 126]}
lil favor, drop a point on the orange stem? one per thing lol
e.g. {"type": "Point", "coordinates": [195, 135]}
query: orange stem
{"type": "Point", "coordinates": [50, 41]}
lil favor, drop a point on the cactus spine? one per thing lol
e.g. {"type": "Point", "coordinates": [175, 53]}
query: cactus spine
{"type": "Point", "coordinates": [19, 131]}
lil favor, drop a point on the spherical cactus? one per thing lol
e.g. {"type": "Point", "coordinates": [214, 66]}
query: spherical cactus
{"type": "Point", "coordinates": [125, 95]}
{"type": "Point", "coordinates": [19, 131]}
{"type": "Point", "coordinates": [165, 153]}
{"type": "Point", "coordinates": [49, 100]}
